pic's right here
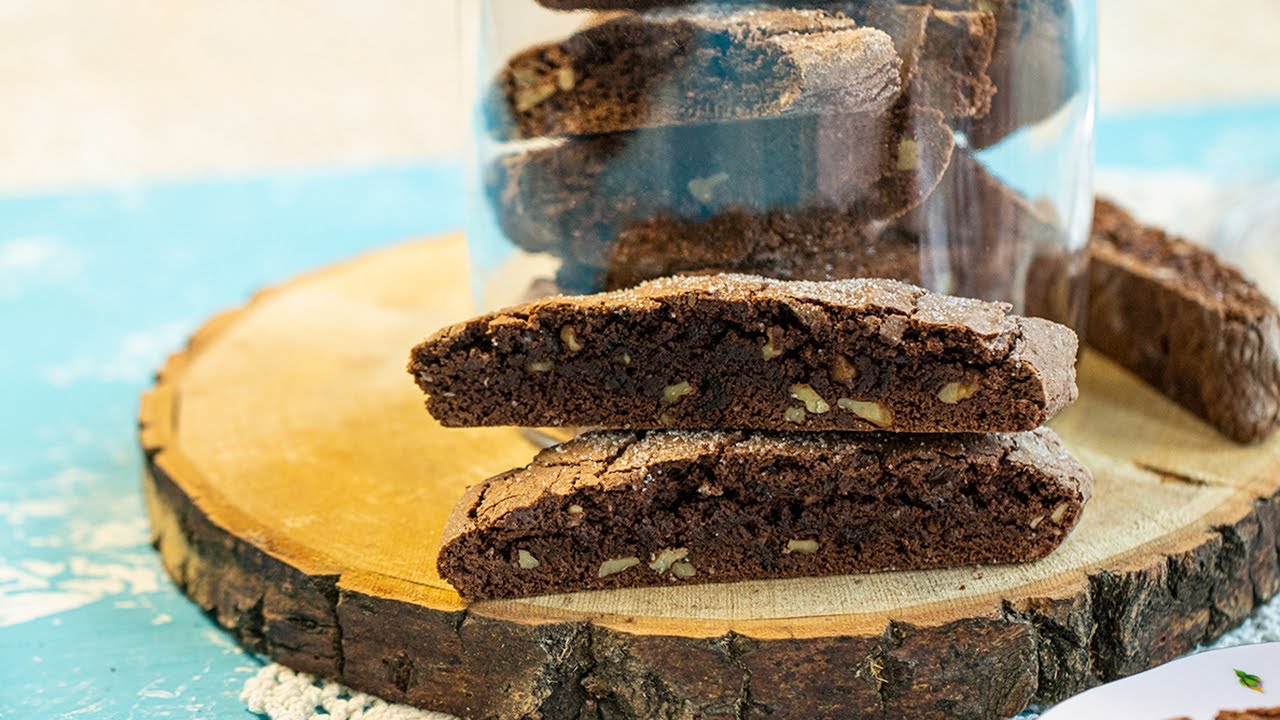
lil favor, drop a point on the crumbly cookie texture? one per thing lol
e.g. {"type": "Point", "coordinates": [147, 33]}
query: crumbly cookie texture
{"type": "Point", "coordinates": [695, 66]}
{"type": "Point", "coordinates": [814, 243]}
{"type": "Point", "coordinates": [627, 509]}
{"type": "Point", "coordinates": [744, 352]}
{"type": "Point", "coordinates": [1189, 324]}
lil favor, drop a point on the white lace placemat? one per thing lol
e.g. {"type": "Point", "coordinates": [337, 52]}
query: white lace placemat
{"type": "Point", "coordinates": [282, 694]}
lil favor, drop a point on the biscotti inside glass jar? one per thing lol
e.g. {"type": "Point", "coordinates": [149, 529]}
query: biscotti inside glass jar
{"type": "Point", "coordinates": [948, 144]}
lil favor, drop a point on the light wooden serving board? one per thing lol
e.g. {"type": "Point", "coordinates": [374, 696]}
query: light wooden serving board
{"type": "Point", "coordinates": [297, 490]}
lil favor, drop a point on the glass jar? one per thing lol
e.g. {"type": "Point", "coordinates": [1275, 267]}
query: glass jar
{"type": "Point", "coordinates": [949, 144]}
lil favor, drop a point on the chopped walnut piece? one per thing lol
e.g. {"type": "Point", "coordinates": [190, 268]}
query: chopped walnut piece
{"type": "Point", "coordinates": [617, 565]}
{"type": "Point", "coordinates": [566, 78]}
{"type": "Point", "coordinates": [804, 547]}
{"type": "Point", "coordinates": [540, 366]}
{"type": "Point", "coordinates": [954, 392]}
{"type": "Point", "coordinates": [532, 85]}
{"type": "Point", "coordinates": [672, 393]}
{"type": "Point", "coordinates": [683, 569]}
{"type": "Point", "coordinates": [532, 96]}
{"type": "Point", "coordinates": [772, 347]}
{"type": "Point", "coordinates": [843, 371]}
{"type": "Point", "coordinates": [570, 339]}
{"type": "Point", "coordinates": [703, 189]}
{"type": "Point", "coordinates": [813, 402]}
{"type": "Point", "coordinates": [663, 561]}
{"type": "Point", "coordinates": [526, 560]}
{"type": "Point", "coordinates": [908, 155]}
{"type": "Point", "coordinates": [872, 412]}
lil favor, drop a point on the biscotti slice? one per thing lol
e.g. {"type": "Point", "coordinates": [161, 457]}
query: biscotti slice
{"type": "Point", "coordinates": [945, 53]}
{"type": "Point", "coordinates": [626, 509]}
{"type": "Point", "coordinates": [744, 352]}
{"type": "Point", "coordinates": [1031, 65]}
{"type": "Point", "coordinates": [812, 243]}
{"type": "Point", "coordinates": [704, 65]}
{"type": "Point", "coordinates": [574, 198]}
{"type": "Point", "coordinates": [1184, 321]}
{"type": "Point", "coordinates": [972, 227]}
{"type": "Point", "coordinates": [1030, 68]}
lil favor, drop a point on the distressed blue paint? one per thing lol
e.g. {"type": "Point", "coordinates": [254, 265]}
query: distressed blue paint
{"type": "Point", "coordinates": [170, 255]}
{"type": "Point", "coordinates": [153, 262]}
{"type": "Point", "coordinates": [1235, 144]}
{"type": "Point", "coordinates": [115, 661]}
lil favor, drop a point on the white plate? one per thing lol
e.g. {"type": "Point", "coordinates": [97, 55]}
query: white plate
{"type": "Point", "coordinates": [1196, 687]}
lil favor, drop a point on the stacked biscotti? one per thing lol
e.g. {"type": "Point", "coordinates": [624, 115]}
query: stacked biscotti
{"type": "Point", "coordinates": [767, 138]}
{"type": "Point", "coordinates": [755, 428]}
{"type": "Point", "coordinates": [822, 139]}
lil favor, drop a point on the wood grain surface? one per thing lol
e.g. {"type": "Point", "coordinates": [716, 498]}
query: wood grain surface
{"type": "Point", "coordinates": [297, 491]}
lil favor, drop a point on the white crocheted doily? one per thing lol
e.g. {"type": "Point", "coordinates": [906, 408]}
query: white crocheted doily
{"type": "Point", "coordinates": [282, 694]}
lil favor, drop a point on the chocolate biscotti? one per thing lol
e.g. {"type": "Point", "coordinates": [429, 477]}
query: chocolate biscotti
{"type": "Point", "coordinates": [946, 54]}
{"type": "Point", "coordinates": [744, 352]}
{"type": "Point", "coordinates": [812, 243]}
{"type": "Point", "coordinates": [809, 244]}
{"type": "Point", "coordinates": [1032, 65]}
{"type": "Point", "coordinates": [630, 509]}
{"type": "Point", "coordinates": [988, 228]}
{"type": "Point", "coordinates": [1027, 34]}
{"type": "Point", "coordinates": [702, 65]}
{"type": "Point", "coordinates": [575, 198]}
{"type": "Point", "coordinates": [1187, 323]}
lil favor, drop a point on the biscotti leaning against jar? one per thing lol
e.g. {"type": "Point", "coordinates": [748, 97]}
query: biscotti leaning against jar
{"type": "Point", "coordinates": [625, 141]}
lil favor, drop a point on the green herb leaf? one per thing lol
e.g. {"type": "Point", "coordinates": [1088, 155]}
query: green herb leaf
{"type": "Point", "coordinates": [1253, 682]}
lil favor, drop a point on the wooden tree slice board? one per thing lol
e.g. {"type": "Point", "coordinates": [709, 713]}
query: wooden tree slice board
{"type": "Point", "coordinates": [297, 490]}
